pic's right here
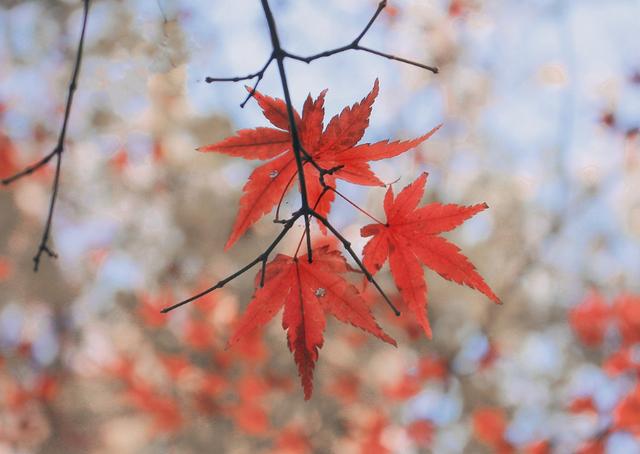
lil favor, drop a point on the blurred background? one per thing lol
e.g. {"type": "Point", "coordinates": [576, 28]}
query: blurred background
{"type": "Point", "coordinates": [540, 101]}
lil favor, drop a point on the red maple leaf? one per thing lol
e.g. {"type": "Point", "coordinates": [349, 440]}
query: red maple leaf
{"type": "Point", "coordinates": [250, 417]}
{"type": "Point", "coordinates": [411, 237]}
{"type": "Point", "coordinates": [538, 447]}
{"type": "Point", "coordinates": [489, 426]}
{"type": "Point", "coordinates": [627, 414]}
{"type": "Point", "coordinates": [421, 432]}
{"type": "Point", "coordinates": [163, 410]}
{"type": "Point", "coordinates": [592, 447]}
{"type": "Point", "coordinates": [583, 405]}
{"type": "Point", "coordinates": [334, 146]}
{"type": "Point", "coordinates": [590, 319]}
{"type": "Point", "coordinates": [8, 159]}
{"type": "Point", "coordinates": [292, 440]}
{"type": "Point", "coordinates": [6, 268]}
{"type": "Point", "coordinates": [307, 291]}
{"type": "Point", "coordinates": [622, 361]}
{"type": "Point", "coordinates": [626, 309]}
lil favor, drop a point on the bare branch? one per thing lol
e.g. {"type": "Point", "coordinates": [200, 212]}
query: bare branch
{"type": "Point", "coordinates": [30, 169]}
{"type": "Point", "coordinates": [44, 247]}
{"type": "Point", "coordinates": [433, 69]}
{"type": "Point", "coordinates": [258, 75]}
{"type": "Point", "coordinates": [382, 5]}
{"type": "Point", "coordinates": [261, 258]}
{"type": "Point", "coordinates": [355, 45]}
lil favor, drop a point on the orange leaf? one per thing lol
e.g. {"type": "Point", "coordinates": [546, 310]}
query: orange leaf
{"type": "Point", "coordinates": [5, 268]}
{"type": "Point", "coordinates": [627, 413]}
{"type": "Point", "coordinates": [489, 425]}
{"type": "Point", "coordinates": [410, 238]}
{"type": "Point", "coordinates": [589, 319]}
{"type": "Point", "coordinates": [307, 291]}
{"type": "Point", "coordinates": [421, 432]}
{"type": "Point", "coordinates": [334, 147]}
{"type": "Point", "coordinates": [626, 309]}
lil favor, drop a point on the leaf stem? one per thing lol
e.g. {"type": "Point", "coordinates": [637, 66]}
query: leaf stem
{"type": "Point", "coordinates": [357, 207]}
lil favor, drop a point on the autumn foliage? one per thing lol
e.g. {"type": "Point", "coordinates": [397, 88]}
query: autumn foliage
{"type": "Point", "coordinates": [309, 287]}
{"type": "Point", "coordinates": [319, 219]}
{"type": "Point", "coordinates": [330, 147]}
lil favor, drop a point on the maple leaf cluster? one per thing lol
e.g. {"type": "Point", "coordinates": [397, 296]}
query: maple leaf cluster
{"type": "Point", "coordinates": [593, 320]}
{"type": "Point", "coordinates": [308, 288]}
{"type": "Point", "coordinates": [330, 147]}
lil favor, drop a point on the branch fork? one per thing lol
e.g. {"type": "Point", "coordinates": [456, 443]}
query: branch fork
{"type": "Point", "coordinates": [279, 54]}
{"type": "Point", "coordinates": [302, 157]}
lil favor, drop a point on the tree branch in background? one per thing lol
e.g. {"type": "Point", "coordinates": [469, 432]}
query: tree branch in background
{"type": "Point", "coordinates": [56, 152]}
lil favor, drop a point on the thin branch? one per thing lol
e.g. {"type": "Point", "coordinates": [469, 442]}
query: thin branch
{"type": "Point", "coordinates": [279, 55]}
{"type": "Point", "coordinates": [44, 247]}
{"type": "Point", "coordinates": [30, 169]}
{"type": "Point", "coordinates": [346, 199]}
{"type": "Point", "coordinates": [433, 69]}
{"type": "Point", "coordinates": [308, 158]}
{"type": "Point", "coordinates": [382, 5]}
{"type": "Point", "coordinates": [258, 75]}
{"type": "Point", "coordinates": [315, 205]}
{"type": "Point", "coordinates": [355, 45]}
{"type": "Point", "coordinates": [277, 219]}
{"type": "Point", "coordinates": [261, 258]}
{"type": "Point", "coordinates": [322, 172]}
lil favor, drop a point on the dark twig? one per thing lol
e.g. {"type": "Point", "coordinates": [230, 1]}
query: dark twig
{"type": "Point", "coordinates": [433, 69]}
{"type": "Point", "coordinates": [355, 45]}
{"type": "Point", "coordinates": [277, 219]}
{"type": "Point", "coordinates": [279, 55]}
{"type": "Point", "coordinates": [315, 205]}
{"type": "Point", "coordinates": [57, 151]}
{"type": "Point", "coordinates": [308, 158]}
{"type": "Point", "coordinates": [258, 75]}
{"type": "Point", "coordinates": [261, 258]}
